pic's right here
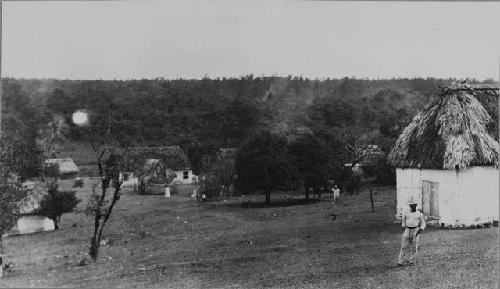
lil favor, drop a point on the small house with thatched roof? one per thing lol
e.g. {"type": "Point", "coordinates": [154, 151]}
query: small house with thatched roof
{"type": "Point", "coordinates": [161, 163]}
{"type": "Point", "coordinates": [447, 160]}
{"type": "Point", "coordinates": [66, 166]}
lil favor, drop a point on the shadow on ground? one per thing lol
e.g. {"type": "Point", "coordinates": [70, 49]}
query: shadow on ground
{"type": "Point", "coordinates": [273, 204]}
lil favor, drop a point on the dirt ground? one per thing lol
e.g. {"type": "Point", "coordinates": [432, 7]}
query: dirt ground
{"type": "Point", "coordinates": [170, 243]}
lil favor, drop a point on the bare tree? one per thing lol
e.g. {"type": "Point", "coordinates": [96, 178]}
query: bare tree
{"type": "Point", "coordinates": [105, 132]}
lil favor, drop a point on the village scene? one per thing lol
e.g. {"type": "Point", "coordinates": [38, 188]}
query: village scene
{"type": "Point", "coordinates": [246, 180]}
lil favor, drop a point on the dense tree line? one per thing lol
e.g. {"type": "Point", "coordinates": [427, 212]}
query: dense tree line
{"type": "Point", "coordinates": [203, 115]}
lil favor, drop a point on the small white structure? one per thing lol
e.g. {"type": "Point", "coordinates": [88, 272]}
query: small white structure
{"type": "Point", "coordinates": [447, 160]}
{"type": "Point", "coordinates": [128, 179]}
{"type": "Point", "coordinates": [184, 176]}
{"type": "Point", "coordinates": [32, 224]}
{"type": "Point", "coordinates": [28, 222]}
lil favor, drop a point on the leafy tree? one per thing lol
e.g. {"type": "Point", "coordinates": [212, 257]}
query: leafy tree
{"type": "Point", "coordinates": [224, 170]}
{"type": "Point", "coordinates": [199, 154]}
{"type": "Point", "coordinates": [333, 112]}
{"type": "Point", "coordinates": [61, 103]}
{"type": "Point", "coordinates": [210, 186]}
{"type": "Point", "coordinates": [56, 203]}
{"type": "Point", "coordinates": [236, 120]}
{"type": "Point", "coordinates": [10, 195]}
{"type": "Point", "coordinates": [20, 127]}
{"type": "Point", "coordinates": [393, 122]}
{"type": "Point", "coordinates": [218, 179]}
{"type": "Point", "coordinates": [11, 192]}
{"type": "Point", "coordinates": [311, 157]}
{"type": "Point", "coordinates": [385, 173]}
{"type": "Point", "coordinates": [265, 164]}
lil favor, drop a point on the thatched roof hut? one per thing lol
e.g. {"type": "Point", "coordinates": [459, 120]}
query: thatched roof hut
{"type": "Point", "coordinates": [163, 164]}
{"type": "Point", "coordinates": [66, 166]}
{"type": "Point", "coordinates": [173, 156]}
{"type": "Point", "coordinates": [447, 159]}
{"type": "Point", "coordinates": [450, 133]}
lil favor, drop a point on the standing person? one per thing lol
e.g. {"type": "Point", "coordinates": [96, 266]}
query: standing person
{"type": "Point", "coordinates": [413, 224]}
{"type": "Point", "coordinates": [336, 194]}
{"type": "Point", "coordinates": [167, 192]}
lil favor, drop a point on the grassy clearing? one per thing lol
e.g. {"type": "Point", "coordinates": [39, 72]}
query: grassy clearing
{"type": "Point", "coordinates": [170, 243]}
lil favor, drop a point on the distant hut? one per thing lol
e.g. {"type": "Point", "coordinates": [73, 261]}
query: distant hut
{"type": "Point", "coordinates": [163, 164]}
{"type": "Point", "coordinates": [66, 166]}
{"type": "Point", "coordinates": [447, 159]}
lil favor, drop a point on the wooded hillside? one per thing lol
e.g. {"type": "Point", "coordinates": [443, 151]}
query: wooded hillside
{"type": "Point", "coordinates": [225, 112]}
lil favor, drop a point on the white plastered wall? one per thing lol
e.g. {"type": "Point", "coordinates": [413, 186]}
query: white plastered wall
{"type": "Point", "coordinates": [468, 197]}
{"type": "Point", "coordinates": [479, 196]}
{"type": "Point", "coordinates": [179, 177]}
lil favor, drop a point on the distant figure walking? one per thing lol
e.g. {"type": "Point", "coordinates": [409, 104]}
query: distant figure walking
{"type": "Point", "coordinates": [336, 194]}
{"type": "Point", "coordinates": [413, 224]}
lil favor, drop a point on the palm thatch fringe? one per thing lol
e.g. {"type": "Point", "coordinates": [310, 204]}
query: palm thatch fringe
{"type": "Point", "coordinates": [450, 133]}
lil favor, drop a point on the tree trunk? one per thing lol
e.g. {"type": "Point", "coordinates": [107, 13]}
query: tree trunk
{"type": "Point", "coordinates": [56, 223]}
{"type": "Point", "coordinates": [371, 201]}
{"type": "Point", "coordinates": [2, 261]}
{"type": "Point", "coordinates": [94, 248]}
{"type": "Point", "coordinates": [268, 196]}
{"type": "Point", "coordinates": [94, 242]}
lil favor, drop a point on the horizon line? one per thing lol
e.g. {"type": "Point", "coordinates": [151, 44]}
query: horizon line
{"type": "Point", "coordinates": [353, 77]}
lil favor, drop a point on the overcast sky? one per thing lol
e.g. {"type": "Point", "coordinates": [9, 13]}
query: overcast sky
{"type": "Point", "coordinates": [217, 38]}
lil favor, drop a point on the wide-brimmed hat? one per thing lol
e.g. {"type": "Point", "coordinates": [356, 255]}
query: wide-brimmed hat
{"type": "Point", "coordinates": [412, 201]}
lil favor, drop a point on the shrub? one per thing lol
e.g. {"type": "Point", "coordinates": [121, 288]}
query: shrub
{"type": "Point", "coordinates": [56, 203]}
{"type": "Point", "coordinates": [78, 183]}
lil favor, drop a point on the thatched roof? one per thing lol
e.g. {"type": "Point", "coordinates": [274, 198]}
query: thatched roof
{"type": "Point", "coordinates": [66, 165]}
{"type": "Point", "coordinates": [173, 156]}
{"type": "Point", "coordinates": [451, 131]}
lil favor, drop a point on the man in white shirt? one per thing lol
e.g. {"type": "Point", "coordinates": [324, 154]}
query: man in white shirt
{"type": "Point", "coordinates": [413, 224]}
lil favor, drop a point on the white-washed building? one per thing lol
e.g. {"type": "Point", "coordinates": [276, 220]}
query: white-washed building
{"type": "Point", "coordinates": [447, 160]}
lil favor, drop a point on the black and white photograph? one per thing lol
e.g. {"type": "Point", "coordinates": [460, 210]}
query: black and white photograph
{"type": "Point", "coordinates": [249, 144]}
